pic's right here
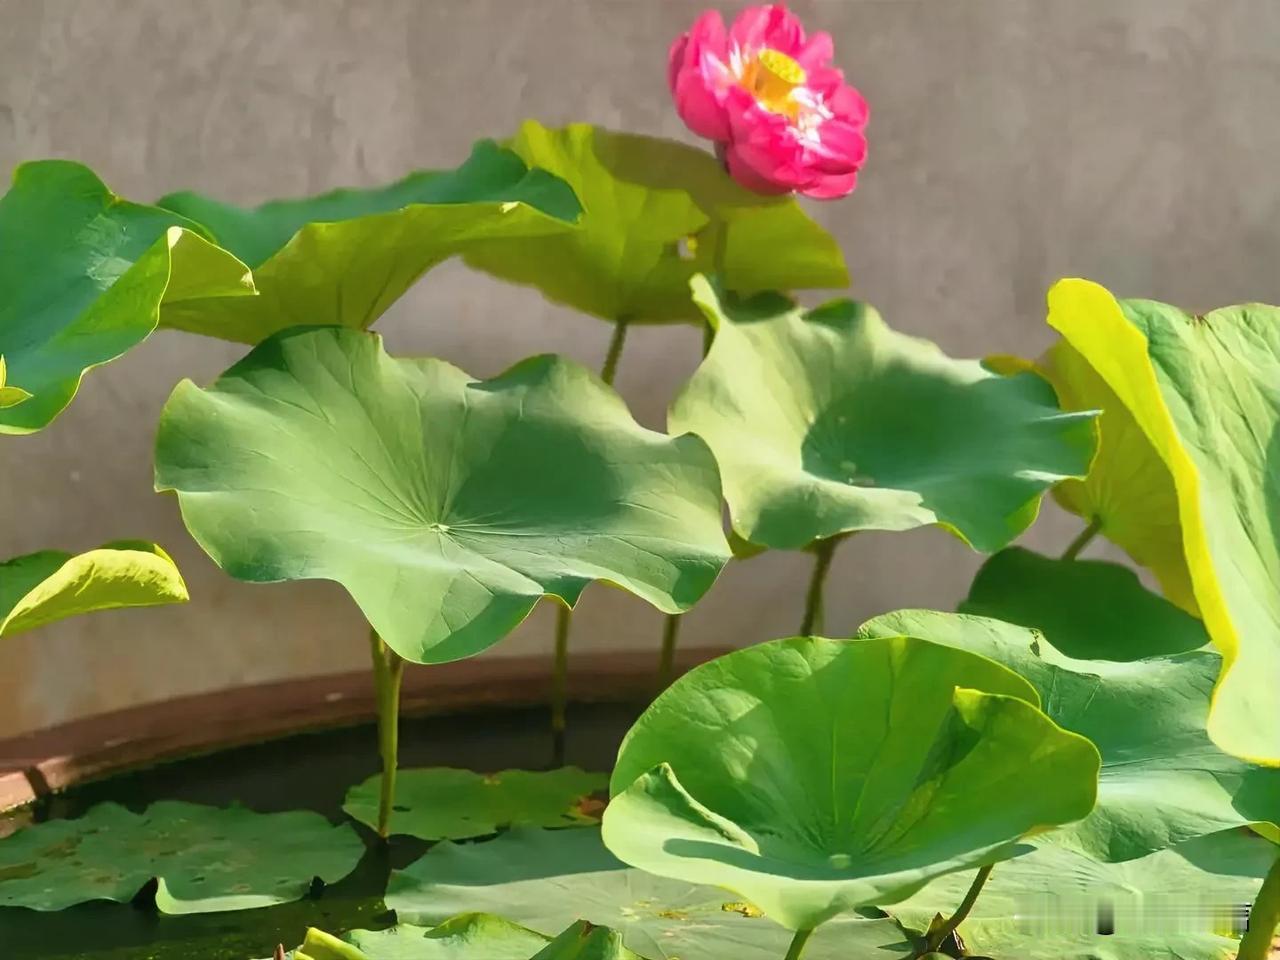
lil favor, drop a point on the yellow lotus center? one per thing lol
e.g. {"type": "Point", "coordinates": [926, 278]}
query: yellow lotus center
{"type": "Point", "coordinates": [770, 78]}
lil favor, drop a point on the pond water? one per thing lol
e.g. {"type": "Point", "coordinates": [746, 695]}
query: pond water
{"type": "Point", "coordinates": [311, 771]}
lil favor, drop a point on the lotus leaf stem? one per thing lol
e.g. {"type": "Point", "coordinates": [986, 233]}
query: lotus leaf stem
{"type": "Point", "coordinates": [813, 601]}
{"type": "Point", "coordinates": [1083, 540]}
{"type": "Point", "coordinates": [670, 636]}
{"type": "Point", "coordinates": [797, 944]}
{"type": "Point", "coordinates": [671, 629]}
{"type": "Point", "coordinates": [388, 672]}
{"type": "Point", "coordinates": [560, 683]}
{"type": "Point", "coordinates": [616, 343]}
{"type": "Point", "coordinates": [939, 935]}
{"type": "Point", "coordinates": [1264, 918]}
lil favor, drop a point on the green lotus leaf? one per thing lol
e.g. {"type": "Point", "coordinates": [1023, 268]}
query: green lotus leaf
{"type": "Point", "coordinates": [546, 880]}
{"type": "Point", "coordinates": [39, 588]}
{"type": "Point", "coordinates": [1177, 904]}
{"type": "Point", "coordinates": [471, 936]}
{"type": "Point", "coordinates": [83, 276]}
{"type": "Point", "coordinates": [1162, 781]}
{"type": "Point", "coordinates": [826, 421]}
{"type": "Point", "coordinates": [1202, 389]}
{"type": "Point", "coordinates": [1088, 609]}
{"type": "Point", "coordinates": [445, 505]}
{"type": "Point", "coordinates": [206, 859]}
{"type": "Point", "coordinates": [585, 941]}
{"type": "Point", "coordinates": [815, 776]}
{"type": "Point", "coordinates": [650, 210]}
{"type": "Point", "coordinates": [1129, 491]}
{"type": "Point", "coordinates": [468, 937]}
{"type": "Point", "coordinates": [345, 257]}
{"type": "Point", "coordinates": [448, 804]}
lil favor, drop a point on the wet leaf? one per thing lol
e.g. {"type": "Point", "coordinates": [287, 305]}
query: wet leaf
{"type": "Point", "coordinates": [448, 804]}
{"type": "Point", "coordinates": [205, 858]}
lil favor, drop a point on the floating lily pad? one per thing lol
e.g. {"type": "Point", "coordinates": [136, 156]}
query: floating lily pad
{"type": "Point", "coordinates": [446, 506]}
{"type": "Point", "coordinates": [83, 275]}
{"type": "Point", "coordinates": [42, 587]}
{"type": "Point", "coordinates": [1202, 390]}
{"type": "Point", "coordinates": [471, 936]}
{"type": "Point", "coordinates": [206, 859]}
{"type": "Point", "coordinates": [345, 257]}
{"type": "Point", "coordinates": [448, 804]}
{"type": "Point", "coordinates": [1163, 781]}
{"type": "Point", "coordinates": [1177, 904]}
{"type": "Point", "coordinates": [826, 421]}
{"type": "Point", "coordinates": [1129, 491]}
{"type": "Point", "coordinates": [547, 879]}
{"type": "Point", "coordinates": [646, 229]}
{"type": "Point", "coordinates": [815, 776]}
{"type": "Point", "coordinates": [1088, 609]}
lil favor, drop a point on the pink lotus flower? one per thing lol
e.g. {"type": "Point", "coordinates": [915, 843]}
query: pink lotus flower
{"type": "Point", "coordinates": [782, 116]}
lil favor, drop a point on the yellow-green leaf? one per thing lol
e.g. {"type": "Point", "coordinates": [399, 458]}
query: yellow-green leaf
{"type": "Point", "coordinates": [1203, 392]}
{"type": "Point", "coordinates": [42, 587]}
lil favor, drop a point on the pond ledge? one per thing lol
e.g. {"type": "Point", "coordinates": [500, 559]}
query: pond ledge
{"type": "Point", "coordinates": [36, 764]}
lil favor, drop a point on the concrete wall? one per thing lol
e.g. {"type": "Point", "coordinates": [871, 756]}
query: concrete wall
{"type": "Point", "coordinates": [1131, 141]}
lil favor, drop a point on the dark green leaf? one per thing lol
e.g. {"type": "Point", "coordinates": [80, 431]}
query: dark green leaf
{"type": "Point", "coordinates": [83, 275]}
{"type": "Point", "coordinates": [1088, 609]}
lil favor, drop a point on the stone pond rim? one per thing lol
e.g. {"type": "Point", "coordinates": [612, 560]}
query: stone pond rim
{"type": "Point", "coordinates": [44, 762]}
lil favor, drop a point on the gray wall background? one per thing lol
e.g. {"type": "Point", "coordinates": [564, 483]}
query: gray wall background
{"type": "Point", "coordinates": [1130, 141]}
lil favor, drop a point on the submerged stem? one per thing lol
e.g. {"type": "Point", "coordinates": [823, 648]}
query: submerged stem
{"type": "Point", "coordinates": [797, 944]}
{"type": "Point", "coordinates": [813, 600]}
{"type": "Point", "coordinates": [1264, 918]}
{"type": "Point", "coordinates": [962, 912]}
{"type": "Point", "coordinates": [1083, 540]}
{"type": "Point", "coordinates": [667, 663]}
{"type": "Point", "coordinates": [388, 672]}
{"type": "Point", "coordinates": [616, 342]}
{"type": "Point", "coordinates": [560, 683]}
